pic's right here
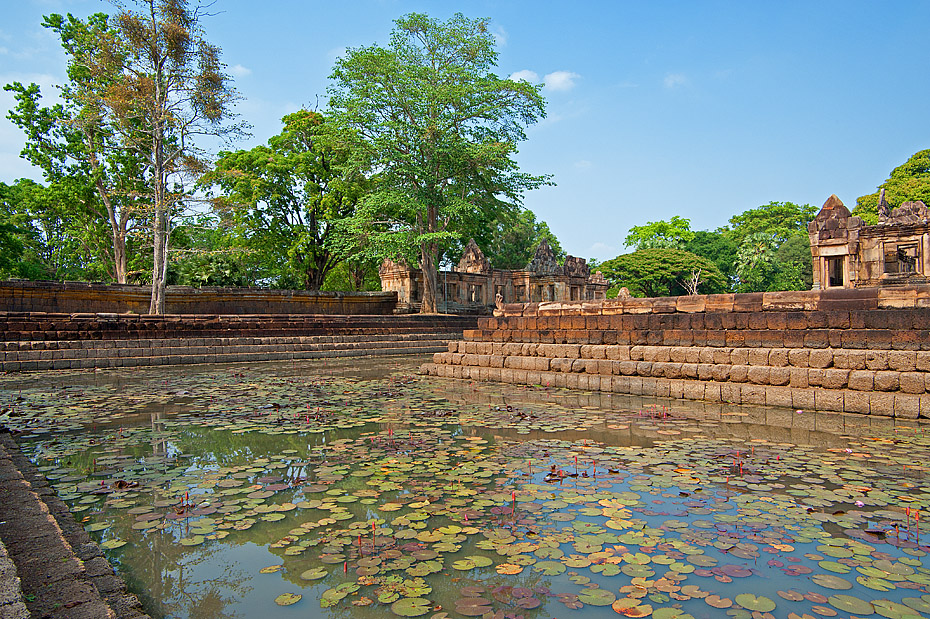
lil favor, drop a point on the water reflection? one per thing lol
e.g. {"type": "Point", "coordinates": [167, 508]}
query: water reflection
{"type": "Point", "coordinates": [368, 490]}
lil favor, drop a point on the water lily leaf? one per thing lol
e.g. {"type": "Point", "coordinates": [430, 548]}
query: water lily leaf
{"type": "Point", "coordinates": [851, 604]}
{"type": "Point", "coordinates": [112, 544]}
{"type": "Point", "coordinates": [314, 573]}
{"type": "Point", "coordinates": [829, 581]}
{"type": "Point", "coordinates": [753, 602]}
{"type": "Point", "coordinates": [411, 607]}
{"type": "Point", "coordinates": [286, 599]}
{"type": "Point", "coordinates": [718, 602]}
{"type": "Point", "coordinates": [629, 607]}
{"type": "Point", "coordinates": [597, 597]}
{"type": "Point", "coordinates": [271, 569]}
{"type": "Point", "coordinates": [549, 568]}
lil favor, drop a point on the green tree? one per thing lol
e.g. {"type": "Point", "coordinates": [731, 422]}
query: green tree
{"type": "Point", "coordinates": [908, 182]}
{"type": "Point", "coordinates": [660, 272]}
{"type": "Point", "coordinates": [159, 85]}
{"type": "Point", "coordinates": [764, 265]}
{"type": "Point", "coordinates": [285, 198]}
{"type": "Point", "coordinates": [672, 234]}
{"type": "Point", "coordinates": [779, 220]}
{"type": "Point", "coordinates": [510, 241]}
{"type": "Point", "coordinates": [79, 153]}
{"type": "Point", "coordinates": [440, 129]}
{"type": "Point", "coordinates": [717, 247]}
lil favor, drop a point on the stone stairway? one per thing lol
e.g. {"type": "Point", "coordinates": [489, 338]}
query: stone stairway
{"type": "Point", "coordinates": [43, 341]}
{"type": "Point", "coordinates": [49, 566]}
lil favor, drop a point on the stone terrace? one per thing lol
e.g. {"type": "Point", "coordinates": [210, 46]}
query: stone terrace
{"type": "Point", "coordinates": [862, 351]}
{"type": "Point", "coordinates": [40, 341]}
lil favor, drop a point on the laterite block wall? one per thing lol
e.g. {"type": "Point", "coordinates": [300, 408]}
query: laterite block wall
{"type": "Point", "coordinates": [862, 351]}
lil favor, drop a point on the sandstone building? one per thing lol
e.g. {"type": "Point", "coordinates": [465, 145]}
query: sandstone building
{"type": "Point", "coordinates": [849, 254]}
{"type": "Point", "coordinates": [472, 286]}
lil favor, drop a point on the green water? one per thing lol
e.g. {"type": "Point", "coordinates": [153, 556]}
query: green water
{"type": "Point", "coordinates": [367, 490]}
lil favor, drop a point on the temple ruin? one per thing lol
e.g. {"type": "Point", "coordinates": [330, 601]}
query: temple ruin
{"type": "Point", "coordinates": [473, 285]}
{"type": "Point", "coordinates": [849, 254]}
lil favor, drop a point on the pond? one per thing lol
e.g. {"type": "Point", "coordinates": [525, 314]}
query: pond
{"type": "Point", "coordinates": [357, 488]}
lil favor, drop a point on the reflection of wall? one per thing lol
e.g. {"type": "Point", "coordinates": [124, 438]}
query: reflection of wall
{"type": "Point", "coordinates": [848, 254]}
{"type": "Point", "coordinates": [857, 351]}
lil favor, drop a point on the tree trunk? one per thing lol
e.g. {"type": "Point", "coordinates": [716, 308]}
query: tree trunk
{"type": "Point", "coordinates": [428, 303]}
{"type": "Point", "coordinates": [159, 263]}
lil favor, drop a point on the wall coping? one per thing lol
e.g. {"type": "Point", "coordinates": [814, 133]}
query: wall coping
{"type": "Point", "coordinates": [903, 297]}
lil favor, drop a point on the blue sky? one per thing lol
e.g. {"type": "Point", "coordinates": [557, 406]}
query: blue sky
{"type": "Point", "coordinates": [700, 109]}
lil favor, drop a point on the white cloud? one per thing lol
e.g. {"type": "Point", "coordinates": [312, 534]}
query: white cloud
{"type": "Point", "coordinates": [500, 36]}
{"type": "Point", "coordinates": [560, 81]}
{"type": "Point", "coordinates": [674, 80]}
{"type": "Point", "coordinates": [525, 75]}
{"type": "Point", "coordinates": [240, 71]}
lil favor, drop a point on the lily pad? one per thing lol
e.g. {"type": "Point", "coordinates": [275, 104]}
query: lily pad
{"type": "Point", "coordinates": [287, 599]}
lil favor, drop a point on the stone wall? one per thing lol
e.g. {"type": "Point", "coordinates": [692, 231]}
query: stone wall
{"type": "Point", "coordinates": [41, 341]}
{"type": "Point", "coordinates": [72, 297]}
{"type": "Point", "coordinates": [862, 351]}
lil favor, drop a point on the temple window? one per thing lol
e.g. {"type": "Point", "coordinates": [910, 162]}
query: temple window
{"type": "Point", "coordinates": [835, 273]}
{"type": "Point", "coordinates": [902, 257]}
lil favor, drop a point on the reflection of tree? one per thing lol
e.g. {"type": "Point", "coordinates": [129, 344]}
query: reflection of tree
{"type": "Point", "coordinates": [180, 581]}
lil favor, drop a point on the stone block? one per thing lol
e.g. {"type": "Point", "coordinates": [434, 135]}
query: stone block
{"type": "Point", "coordinates": [861, 380]}
{"type": "Point", "coordinates": [673, 370]}
{"type": "Point", "coordinates": [925, 406]}
{"type": "Point", "coordinates": [780, 376]}
{"type": "Point", "coordinates": [886, 381]}
{"type": "Point", "coordinates": [628, 368]}
{"type": "Point", "coordinates": [923, 361]}
{"type": "Point", "coordinates": [902, 360]}
{"type": "Point", "coordinates": [828, 400]}
{"type": "Point", "coordinates": [759, 356]}
{"type": "Point", "coordinates": [911, 382]}
{"type": "Point", "coordinates": [778, 357]}
{"type": "Point", "coordinates": [706, 371]}
{"type": "Point", "coordinates": [753, 394]}
{"type": "Point", "coordinates": [739, 373]}
{"type": "Point", "coordinates": [721, 373]}
{"type": "Point", "coordinates": [758, 375]}
{"type": "Point", "coordinates": [857, 402]}
{"type": "Point", "coordinates": [676, 389]}
{"type": "Point", "coordinates": [798, 378]}
{"type": "Point", "coordinates": [694, 390]}
{"type": "Point", "coordinates": [906, 406]}
{"type": "Point", "coordinates": [778, 396]}
{"type": "Point", "coordinates": [712, 392]}
{"type": "Point", "coordinates": [644, 368]}
{"type": "Point", "coordinates": [662, 388]}
{"type": "Point", "coordinates": [706, 355]}
{"type": "Point", "coordinates": [835, 379]}
{"type": "Point", "coordinates": [731, 392]}
{"type": "Point", "coordinates": [817, 338]}
{"type": "Point", "coordinates": [882, 404]}
{"type": "Point", "coordinates": [821, 358]}
{"type": "Point", "coordinates": [799, 357]}
{"type": "Point", "coordinates": [876, 359]}
{"type": "Point", "coordinates": [802, 399]}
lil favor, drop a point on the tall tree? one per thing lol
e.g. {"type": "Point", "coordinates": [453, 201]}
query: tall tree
{"type": "Point", "coordinates": [284, 199]}
{"type": "Point", "coordinates": [910, 181]}
{"type": "Point", "coordinates": [162, 88]}
{"type": "Point", "coordinates": [78, 151]}
{"type": "Point", "coordinates": [717, 247]}
{"type": "Point", "coordinates": [671, 234]}
{"type": "Point", "coordinates": [439, 128]}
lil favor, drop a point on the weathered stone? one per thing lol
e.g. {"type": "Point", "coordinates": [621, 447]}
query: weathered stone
{"type": "Point", "coordinates": [911, 382]}
{"type": "Point", "coordinates": [820, 359]}
{"type": "Point", "coordinates": [886, 381]}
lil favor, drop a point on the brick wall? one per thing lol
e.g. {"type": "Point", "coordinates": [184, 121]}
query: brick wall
{"type": "Point", "coordinates": [863, 351]}
{"type": "Point", "coordinates": [74, 297]}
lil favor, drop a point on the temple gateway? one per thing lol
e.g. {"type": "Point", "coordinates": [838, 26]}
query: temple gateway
{"type": "Point", "coordinates": [849, 254]}
{"type": "Point", "coordinates": [472, 286]}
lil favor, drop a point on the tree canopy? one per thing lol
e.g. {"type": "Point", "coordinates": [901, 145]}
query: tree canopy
{"type": "Point", "coordinates": [908, 182]}
{"type": "Point", "coordinates": [674, 233]}
{"type": "Point", "coordinates": [438, 128]}
{"type": "Point", "coordinates": [284, 200]}
{"type": "Point", "coordinates": [660, 272]}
